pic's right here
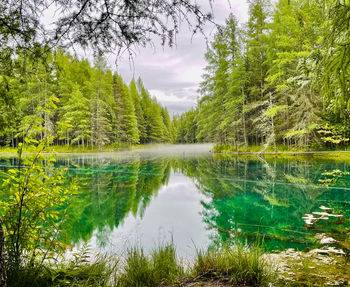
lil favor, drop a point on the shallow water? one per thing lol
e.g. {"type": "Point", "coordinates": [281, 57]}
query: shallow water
{"type": "Point", "coordinates": [186, 194]}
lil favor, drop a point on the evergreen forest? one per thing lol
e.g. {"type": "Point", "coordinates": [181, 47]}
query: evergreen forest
{"type": "Point", "coordinates": [93, 106]}
{"type": "Point", "coordinates": [279, 82]}
{"type": "Point", "coordinates": [283, 78]}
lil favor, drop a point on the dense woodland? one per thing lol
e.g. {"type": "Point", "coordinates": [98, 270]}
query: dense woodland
{"type": "Point", "coordinates": [282, 78]}
{"type": "Point", "coordinates": [94, 106]}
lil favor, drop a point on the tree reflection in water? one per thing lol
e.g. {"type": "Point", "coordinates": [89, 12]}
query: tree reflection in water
{"type": "Point", "coordinates": [245, 198]}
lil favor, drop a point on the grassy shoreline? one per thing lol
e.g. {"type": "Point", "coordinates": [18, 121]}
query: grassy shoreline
{"type": "Point", "coordinates": [238, 265]}
{"type": "Point", "coordinates": [283, 153]}
{"type": "Point", "coordinates": [73, 149]}
{"type": "Point", "coordinates": [217, 149]}
{"type": "Point", "coordinates": [339, 157]}
{"type": "Point", "coordinates": [280, 149]}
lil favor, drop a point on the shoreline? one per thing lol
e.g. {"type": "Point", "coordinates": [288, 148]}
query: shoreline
{"type": "Point", "coordinates": [322, 154]}
{"type": "Point", "coordinates": [282, 152]}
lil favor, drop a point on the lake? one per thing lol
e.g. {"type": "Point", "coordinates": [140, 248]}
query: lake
{"type": "Point", "coordinates": [197, 199]}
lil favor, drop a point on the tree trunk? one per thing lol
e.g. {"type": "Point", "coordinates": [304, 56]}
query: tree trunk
{"type": "Point", "coordinates": [2, 259]}
{"type": "Point", "coordinates": [244, 124]}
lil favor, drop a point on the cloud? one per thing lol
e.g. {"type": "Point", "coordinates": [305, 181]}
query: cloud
{"type": "Point", "coordinates": [177, 101]}
{"type": "Point", "coordinates": [173, 75]}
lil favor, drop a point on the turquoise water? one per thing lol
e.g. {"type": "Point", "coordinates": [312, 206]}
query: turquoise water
{"type": "Point", "coordinates": [197, 199]}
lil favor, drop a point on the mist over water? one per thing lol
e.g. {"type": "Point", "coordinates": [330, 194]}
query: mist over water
{"type": "Point", "coordinates": [180, 149]}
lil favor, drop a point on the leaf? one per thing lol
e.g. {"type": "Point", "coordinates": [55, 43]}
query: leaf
{"type": "Point", "coordinates": [273, 111]}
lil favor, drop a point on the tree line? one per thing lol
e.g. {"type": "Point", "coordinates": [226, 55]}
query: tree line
{"type": "Point", "coordinates": [282, 78]}
{"type": "Point", "coordinates": [94, 106]}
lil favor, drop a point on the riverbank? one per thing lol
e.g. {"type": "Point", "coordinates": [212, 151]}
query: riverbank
{"type": "Point", "coordinates": [322, 155]}
{"type": "Point", "coordinates": [221, 148]}
{"type": "Point", "coordinates": [230, 266]}
{"type": "Point", "coordinates": [217, 149]}
{"type": "Point", "coordinates": [155, 148]}
{"type": "Point", "coordinates": [283, 152]}
{"type": "Point", "coordinates": [74, 149]}
{"type": "Point", "coordinates": [337, 155]}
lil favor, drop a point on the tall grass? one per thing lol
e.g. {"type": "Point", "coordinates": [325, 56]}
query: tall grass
{"type": "Point", "coordinates": [97, 273]}
{"type": "Point", "coordinates": [239, 265]}
{"type": "Point", "coordinates": [160, 268]}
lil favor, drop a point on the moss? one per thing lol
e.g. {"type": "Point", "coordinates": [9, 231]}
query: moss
{"type": "Point", "coordinates": [311, 269]}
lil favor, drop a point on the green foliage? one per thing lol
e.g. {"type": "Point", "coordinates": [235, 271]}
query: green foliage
{"type": "Point", "coordinates": [333, 134]}
{"type": "Point", "coordinates": [75, 124]}
{"type": "Point", "coordinates": [96, 108]}
{"type": "Point", "coordinates": [278, 79]}
{"type": "Point", "coordinates": [33, 200]}
{"type": "Point", "coordinates": [159, 269]}
{"type": "Point", "coordinates": [141, 124]}
{"type": "Point", "coordinates": [155, 127]}
{"type": "Point", "coordinates": [221, 104]}
{"type": "Point", "coordinates": [185, 127]}
{"type": "Point", "coordinates": [271, 112]}
{"type": "Point", "coordinates": [82, 270]}
{"type": "Point", "coordinates": [128, 122]}
{"type": "Point", "coordinates": [238, 264]}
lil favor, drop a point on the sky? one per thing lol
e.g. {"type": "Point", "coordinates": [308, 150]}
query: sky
{"type": "Point", "coordinates": [173, 75]}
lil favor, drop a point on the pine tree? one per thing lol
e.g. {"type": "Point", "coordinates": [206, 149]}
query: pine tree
{"type": "Point", "coordinates": [141, 125]}
{"type": "Point", "coordinates": [256, 49]}
{"type": "Point", "coordinates": [216, 112]}
{"type": "Point", "coordinates": [290, 45]}
{"type": "Point", "coordinates": [75, 123]}
{"type": "Point", "coordinates": [128, 121]}
{"type": "Point", "coordinates": [101, 126]}
{"type": "Point", "coordinates": [213, 89]}
{"type": "Point", "coordinates": [256, 66]}
{"type": "Point", "coordinates": [152, 115]}
{"type": "Point", "coordinates": [166, 123]}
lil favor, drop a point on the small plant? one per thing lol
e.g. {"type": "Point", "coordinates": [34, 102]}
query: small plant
{"type": "Point", "coordinates": [84, 270]}
{"type": "Point", "coordinates": [165, 264]}
{"type": "Point", "coordinates": [33, 201]}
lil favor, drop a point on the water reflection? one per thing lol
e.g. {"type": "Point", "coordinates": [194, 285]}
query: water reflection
{"type": "Point", "coordinates": [198, 199]}
{"type": "Point", "coordinates": [267, 199]}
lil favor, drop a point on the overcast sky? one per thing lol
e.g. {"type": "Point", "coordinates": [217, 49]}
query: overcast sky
{"type": "Point", "coordinates": [173, 75]}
